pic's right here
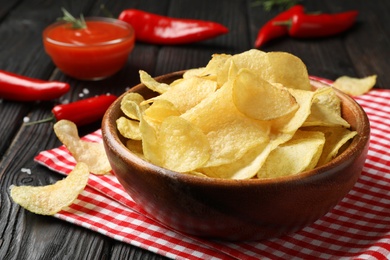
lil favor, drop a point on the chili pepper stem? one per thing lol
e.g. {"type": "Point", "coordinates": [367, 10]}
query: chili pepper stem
{"type": "Point", "coordinates": [45, 120]}
{"type": "Point", "coordinates": [287, 23]}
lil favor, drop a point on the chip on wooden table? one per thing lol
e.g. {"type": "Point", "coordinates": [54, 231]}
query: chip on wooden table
{"type": "Point", "coordinates": [90, 153]}
{"type": "Point", "coordinates": [50, 199]}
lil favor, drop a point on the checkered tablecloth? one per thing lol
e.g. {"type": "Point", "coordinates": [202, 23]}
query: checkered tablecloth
{"type": "Point", "coordinates": [357, 228]}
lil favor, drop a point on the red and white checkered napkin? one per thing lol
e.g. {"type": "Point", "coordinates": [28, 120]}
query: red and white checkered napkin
{"type": "Point", "coordinates": [357, 228]}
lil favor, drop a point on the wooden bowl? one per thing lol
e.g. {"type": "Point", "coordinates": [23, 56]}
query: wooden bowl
{"type": "Point", "coordinates": [236, 210]}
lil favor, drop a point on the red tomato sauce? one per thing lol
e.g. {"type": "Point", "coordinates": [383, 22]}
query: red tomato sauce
{"type": "Point", "coordinates": [95, 52]}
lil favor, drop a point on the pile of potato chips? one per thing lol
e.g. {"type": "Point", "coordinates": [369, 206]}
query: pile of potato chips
{"type": "Point", "coordinates": [243, 116]}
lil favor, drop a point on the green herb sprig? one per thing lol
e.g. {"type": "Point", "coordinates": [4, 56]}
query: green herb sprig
{"type": "Point", "coordinates": [76, 23]}
{"type": "Point", "coordinates": [268, 5]}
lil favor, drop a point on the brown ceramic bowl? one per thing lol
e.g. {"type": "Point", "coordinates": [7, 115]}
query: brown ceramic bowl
{"type": "Point", "coordinates": [236, 209]}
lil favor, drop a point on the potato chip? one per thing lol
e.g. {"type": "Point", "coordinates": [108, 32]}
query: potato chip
{"type": "Point", "coordinates": [288, 70]}
{"type": "Point", "coordinates": [213, 67]}
{"type": "Point", "coordinates": [326, 109]}
{"type": "Point", "coordinates": [244, 168]}
{"type": "Point", "coordinates": [275, 67]}
{"type": "Point", "coordinates": [355, 86]}
{"type": "Point", "coordinates": [290, 124]}
{"type": "Point", "coordinates": [135, 146]}
{"type": "Point", "coordinates": [251, 59]}
{"type": "Point", "coordinates": [50, 199]}
{"type": "Point", "coordinates": [90, 153]}
{"type": "Point", "coordinates": [128, 128]}
{"type": "Point", "coordinates": [131, 105]}
{"type": "Point", "coordinates": [149, 142]}
{"type": "Point", "coordinates": [177, 147]}
{"type": "Point", "coordinates": [188, 93]}
{"type": "Point", "coordinates": [161, 109]}
{"type": "Point", "coordinates": [195, 173]}
{"type": "Point", "coordinates": [335, 137]}
{"type": "Point", "coordinates": [211, 70]}
{"type": "Point", "coordinates": [232, 72]}
{"type": "Point", "coordinates": [190, 73]}
{"type": "Point", "coordinates": [152, 84]}
{"type": "Point", "coordinates": [299, 154]}
{"type": "Point", "coordinates": [259, 99]}
{"type": "Point", "coordinates": [230, 133]}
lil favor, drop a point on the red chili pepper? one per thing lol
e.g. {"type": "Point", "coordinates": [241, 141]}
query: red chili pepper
{"type": "Point", "coordinates": [320, 25]}
{"type": "Point", "coordinates": [20, 88]}
{"type": "Point", "coordinates": [271, 31]}
{"type": "Point", "coordinates": [81, 112]}
{"type": "Point", "coordinates": [158, 29]}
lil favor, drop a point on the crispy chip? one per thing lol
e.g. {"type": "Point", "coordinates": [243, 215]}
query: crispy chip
{"type": "Point", "coordinates": [326, 109]}
{"type": "Point", "coordinates": [90, 153]}
{"type": "Point", "coordinates": [299, 154]}
{"type": "Point", "coordinates": [291, 124]}
{"type": "Point", "coordinates": [161, 109]}
{"type": "Point", "coordinates": [195, 173]}
{"type": "Point", "coordinates": [335, 137]}
{"type": "Point", "coordinates": [216, 63]}
{"type": "Point", "coordinates": [152, 84]}
{"type": "Point", "coordinates": [251, 59]}
{"type": "Point", "coordinates": [177, 147]}
{"type": "Point", "coordinates": [260, 99]}
{"type": "Point", "coordinates": [288, 70]}
{"type": "Point", "coordinates": [128, 128]}
{"type": "Point", "coordinates": [244, 168]}
{"type": "Point", "coordinates": [50, 199]}
{"type": "Point", "coordinates": [230, 133]}
{"type": "Point", "coordinates": [131, 105]}
{"type": "Point", "coordinates": [188, 93]}
{"type": "Point", "coordinates": [355, 86]}
{"type": "Point", "coordinates": [149, 141]}
{"type": "Point", "coordinates": [193, 73]}
{"type": "Point", "coordinates": [135, 146]}
{"type": "Point", "coordinates": [275, 67]}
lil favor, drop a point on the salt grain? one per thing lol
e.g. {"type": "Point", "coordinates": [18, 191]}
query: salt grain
{"type": "Point", "coordinates": [86, 91]}
{"type": "Point", "coordinates": [26, 170]}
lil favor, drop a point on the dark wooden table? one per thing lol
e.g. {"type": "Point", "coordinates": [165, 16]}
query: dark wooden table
{"type": "Point", "coordinates": [362, 51]}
